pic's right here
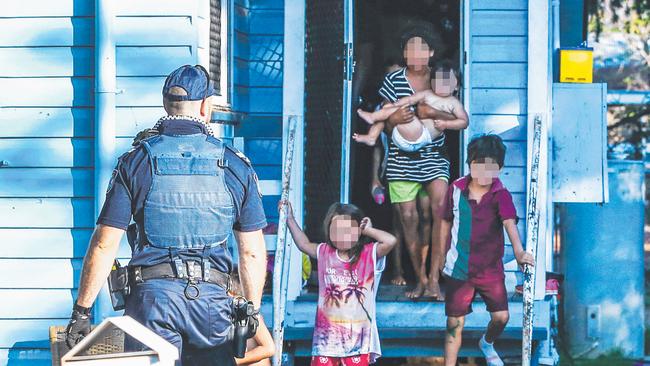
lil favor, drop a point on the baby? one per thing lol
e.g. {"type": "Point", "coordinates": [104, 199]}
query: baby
{"type": "Point", "coordinates": [416, 134]}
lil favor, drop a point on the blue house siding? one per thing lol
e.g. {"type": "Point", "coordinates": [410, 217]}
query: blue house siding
{"type": "Point", "coordinates": [46, 203]}
{"type": "Point", "coordinates": [46, 145]}
{"type": "Point", "coordinates": [497, 60]}
{"type": "Point", "coordinates": [258, 62]}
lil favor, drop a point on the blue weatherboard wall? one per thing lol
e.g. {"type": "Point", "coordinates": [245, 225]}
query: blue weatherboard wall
{"type": "Point", "coordinates": [46, 183]}
{"type": "Point", "coordinates": [46, 144]}
{"type": "Point", "coordinates": [497, 60]}
{"type": "Point", "coordinates": [258, 58]}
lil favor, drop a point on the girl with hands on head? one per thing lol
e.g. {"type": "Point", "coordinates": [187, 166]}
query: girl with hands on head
{"type": "Point", "coordinates": [349, 267]}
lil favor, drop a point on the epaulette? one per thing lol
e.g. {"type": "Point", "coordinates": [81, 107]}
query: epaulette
{"type": "Point", "coordinates": [240, 155]}
{"type": "Point", "coordinates": [144, 134]}
{"type": "Point", "coordinates": [247, 161]}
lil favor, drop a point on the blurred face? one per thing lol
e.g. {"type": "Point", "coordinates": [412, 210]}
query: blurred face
{"type": "Point", "coordinates": [483, 171]}
{"type": "Point", "coordinates": [444, 84]}
{"type": "Point", "coordinates": [344, 232]}
{"type": "Point", "coordinates": [417, 53]}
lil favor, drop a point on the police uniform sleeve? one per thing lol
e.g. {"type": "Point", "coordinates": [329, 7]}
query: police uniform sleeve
{"type": "Point", "coordinates": [251, 214]}
{"type": "Point", "coordinates": [116, 211]}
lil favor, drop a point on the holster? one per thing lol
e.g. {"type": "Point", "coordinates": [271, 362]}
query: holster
{"type": "Point", "coordinates": [246, 321]}
{"type": "Point", "coordinates": [118, 285]}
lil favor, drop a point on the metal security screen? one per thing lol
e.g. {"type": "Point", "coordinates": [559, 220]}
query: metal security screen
{"type": "Point", "coordinates": [215, 43]}
{"type": "Point", "coordinates": [323, 110]}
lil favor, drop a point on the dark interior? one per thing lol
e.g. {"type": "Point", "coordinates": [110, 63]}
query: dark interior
{"type": "Point", "coordinates": [378, 28]}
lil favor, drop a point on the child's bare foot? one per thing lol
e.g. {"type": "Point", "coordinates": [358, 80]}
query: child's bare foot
{"type": "Point", "coordinates": [433, 291]}
{"type": "Point", "coordinates": [366, 116]}
{"type": "Point", "coordinates": [398, 281]}
{"type": "Point", "coordinates": [364, 139]}
{"type": "Point", "coordinates": [417, 292]}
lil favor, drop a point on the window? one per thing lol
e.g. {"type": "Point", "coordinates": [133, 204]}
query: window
{"type": "Point", "coordinates": [218, 49]}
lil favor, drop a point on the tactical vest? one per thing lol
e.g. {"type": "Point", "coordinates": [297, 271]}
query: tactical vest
{"type": "Point", "coordinates": [188, 205]}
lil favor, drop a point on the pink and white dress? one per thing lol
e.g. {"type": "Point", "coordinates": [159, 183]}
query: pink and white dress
{"type": "Point", "coordinates": [345, 318]}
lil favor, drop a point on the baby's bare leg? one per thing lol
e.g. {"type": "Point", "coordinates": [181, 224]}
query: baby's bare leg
{"type": "Point", "coordinates": [370, 139]}
{"type": "Point", "coordinates": [377, 116]}
{"type": "Point", "coordinates": [428, 124]}
{"type": "Point", "coordinates": [411, 131]}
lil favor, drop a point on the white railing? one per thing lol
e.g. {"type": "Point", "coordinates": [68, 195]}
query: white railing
{"type": "Point", "coordinates": [282, 251]}
{"type": "Point", "coordinates": [532, 238]}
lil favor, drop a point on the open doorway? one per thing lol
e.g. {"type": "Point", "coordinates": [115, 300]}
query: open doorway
{"type": "Point", "coordinates": [379, 26]}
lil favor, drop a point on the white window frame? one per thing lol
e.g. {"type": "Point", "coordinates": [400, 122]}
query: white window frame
{"type": "Point", "coordinates": [225, 89]}
{"type": "Point", "coordinates": [225, 86]}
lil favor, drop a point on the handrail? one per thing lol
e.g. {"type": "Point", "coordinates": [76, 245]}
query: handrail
{"type": "Point", "coordinates": [282, 254]}
{"type": "Point", "coordinates": [532, 238]}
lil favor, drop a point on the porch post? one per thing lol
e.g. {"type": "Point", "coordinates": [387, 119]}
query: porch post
{"type": "Point", "coordinates": [293, 92]}
{"type": "Point", "coordinates": [105, 87]}
{"type": "Point", "coordinates": [539, 107]}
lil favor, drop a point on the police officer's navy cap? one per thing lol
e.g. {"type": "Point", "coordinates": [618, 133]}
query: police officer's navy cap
{"type": "Point", "coordinates": [195, 80]}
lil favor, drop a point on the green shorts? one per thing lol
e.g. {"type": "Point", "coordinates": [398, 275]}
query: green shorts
{"type": "Point", "coordinates": [404, 191]}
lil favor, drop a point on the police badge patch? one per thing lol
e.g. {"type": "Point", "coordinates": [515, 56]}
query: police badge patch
{"type": "Point", "coordinates": [112, 180]}
{"type": "Point", "coordinates": [257, 184]}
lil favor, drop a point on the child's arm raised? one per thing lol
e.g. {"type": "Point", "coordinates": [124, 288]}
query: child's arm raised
{"type": "Point", "coordinates": [301, 239]}
{"type": "Point", "coordinates": [265, 347]}
{"type": "Point", "coordinates": [522, 256]}
{"type": "Point", "coordinates": [460, 121]}
{"type": "Point", "coordinates": [385, 241]}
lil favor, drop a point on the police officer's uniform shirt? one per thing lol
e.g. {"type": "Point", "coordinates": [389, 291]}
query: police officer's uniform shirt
{"type": "Point", "coordinates": [131, 182]}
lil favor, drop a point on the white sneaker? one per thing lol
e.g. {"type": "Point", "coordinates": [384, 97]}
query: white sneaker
{"type": "Point", "coordinates": [491, 356]}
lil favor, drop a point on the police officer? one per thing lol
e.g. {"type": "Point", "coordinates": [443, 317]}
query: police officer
{"type": "Point", "coordinates": [186, 191]}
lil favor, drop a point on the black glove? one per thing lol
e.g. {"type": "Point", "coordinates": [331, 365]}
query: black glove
{"type": "Point", "coordinates": [79, 326]}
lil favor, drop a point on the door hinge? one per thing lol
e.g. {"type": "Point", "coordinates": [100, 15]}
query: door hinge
{"type": "Point", "coordinates": [348, 61]}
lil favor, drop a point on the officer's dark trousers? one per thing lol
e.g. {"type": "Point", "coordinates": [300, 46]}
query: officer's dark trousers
{"type": "Point", "coordinates": [200, 328]}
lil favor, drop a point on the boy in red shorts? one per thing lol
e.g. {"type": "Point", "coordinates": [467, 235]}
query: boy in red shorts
{"type": "Point", "coordinates": [477, 209]}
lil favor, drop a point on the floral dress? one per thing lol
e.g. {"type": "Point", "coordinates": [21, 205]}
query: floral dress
{"type": "Point", "coordinates": [345, 318]}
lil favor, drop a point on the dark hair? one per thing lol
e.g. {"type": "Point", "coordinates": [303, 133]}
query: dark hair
{"type": "Point", "coordinates": [392, 59]}
{"type": "Point", "coordinates": [486, 146]}
{"type": "Point", "coordinates": [355, 213]}
{"type": "Point", "coordinates": [424, 30]}
{"type": "Point", "coordinates": [446, 66]}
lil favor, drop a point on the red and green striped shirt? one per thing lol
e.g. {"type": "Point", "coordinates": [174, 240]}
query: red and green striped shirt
{"type": "Point", "coordinates": [477, 239]}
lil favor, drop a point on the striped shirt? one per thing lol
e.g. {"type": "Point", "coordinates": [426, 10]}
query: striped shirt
{"type": "Point", "coordinates": [477, 240]}
{"type": "Point", "coordinates": [424, 165]}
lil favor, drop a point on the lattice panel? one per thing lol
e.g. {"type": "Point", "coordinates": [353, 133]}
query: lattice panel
{"type": "Point", "coordinates": [323, 110]}
{"type": "Point", "coordinates": [215, 42]}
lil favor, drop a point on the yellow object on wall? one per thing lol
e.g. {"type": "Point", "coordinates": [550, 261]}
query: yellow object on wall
{"type": "Point", "coordinates": [576, 65]}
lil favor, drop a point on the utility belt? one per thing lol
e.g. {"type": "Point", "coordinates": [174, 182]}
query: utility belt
{"type": "Point", "coordinates": [121, 279]}
{"type": "Point", "coordinates": [245, 316]}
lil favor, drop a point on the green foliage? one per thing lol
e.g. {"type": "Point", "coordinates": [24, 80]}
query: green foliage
{"type": "Point", "coordinates": [629, 125]}
{"type": "Point", "coordinates": [629, 16]}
